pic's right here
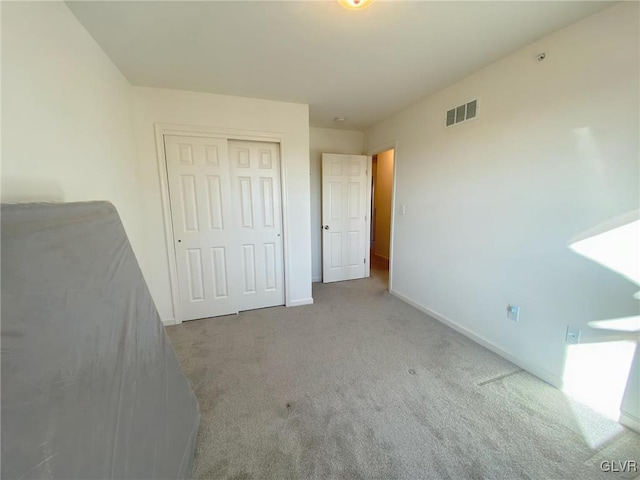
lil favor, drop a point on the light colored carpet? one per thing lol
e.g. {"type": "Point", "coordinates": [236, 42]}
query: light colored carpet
{"type": "Point", "coordinates": [361, 385]}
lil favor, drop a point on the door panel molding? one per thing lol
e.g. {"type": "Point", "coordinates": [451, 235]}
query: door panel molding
{"type": "Point", "coordinates": [162, 129]}
{"type": "Point", "coordinates": [199, 239]}
{"type": "Point", "coordinates": [346, 197]}
{"type": "Point", "coordinates": [255, 186]}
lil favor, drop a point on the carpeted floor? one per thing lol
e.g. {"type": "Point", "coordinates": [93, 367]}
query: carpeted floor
{"type": "Point", "coordinates": [361, 385]}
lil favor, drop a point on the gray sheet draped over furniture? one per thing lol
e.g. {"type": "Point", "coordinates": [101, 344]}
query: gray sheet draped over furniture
{"type": "Point", "coordinates": [91, 386]}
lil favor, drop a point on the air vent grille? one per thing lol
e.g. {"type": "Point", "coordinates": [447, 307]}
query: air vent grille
{"type": "Point", "coordinates": [462, 113]}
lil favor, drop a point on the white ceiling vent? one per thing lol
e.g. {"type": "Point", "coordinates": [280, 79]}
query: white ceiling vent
{"type": "Point", "coordinates": [467, 111]}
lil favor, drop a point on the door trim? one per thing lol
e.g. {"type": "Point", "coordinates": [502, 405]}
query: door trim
{"type": "Point", "coordinates": [162, 129]}
{"type": "Point", "coordinates": [374, 151]}
{"type": "Point", "coordinates": [367, 235]}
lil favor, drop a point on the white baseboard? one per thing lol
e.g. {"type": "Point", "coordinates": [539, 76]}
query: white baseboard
{"type": "Point", "coordinates": [168, 321]}
{"type": "Point", "coordinates": [298, 303]}
{"type": "Point", "coordinates": [630, 421]}
{"type": "Point", "coordinates": [316, 279]}
{"type": "Point", "coordinates": [539, 372]}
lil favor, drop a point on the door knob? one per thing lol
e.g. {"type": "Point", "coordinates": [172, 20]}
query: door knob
{"type": "Point", "coordinates": [326, 227]}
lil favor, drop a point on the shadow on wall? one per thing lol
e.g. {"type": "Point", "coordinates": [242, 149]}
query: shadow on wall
{"type": "Point", "coordinates": [601, 368]}
{"type": "Point", "coordinates": [30, 190]}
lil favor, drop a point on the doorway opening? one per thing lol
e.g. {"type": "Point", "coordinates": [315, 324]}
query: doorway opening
{"type": "Point", "coordinates": [382, 167]}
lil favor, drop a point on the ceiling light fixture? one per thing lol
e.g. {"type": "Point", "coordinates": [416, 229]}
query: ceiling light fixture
{"type": "Point", "coordinates": [355, 4]}
{"type": "Point", "coordinates": [340, 119]}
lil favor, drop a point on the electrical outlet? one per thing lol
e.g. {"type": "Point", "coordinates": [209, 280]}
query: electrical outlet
{"type": "Point", "coordinates": [513, 312]}
{"type": "Point", "coordinates": [573, 335]}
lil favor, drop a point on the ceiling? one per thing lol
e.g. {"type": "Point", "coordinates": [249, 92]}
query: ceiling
{"type": "Point", "coordinates": [363, 65]}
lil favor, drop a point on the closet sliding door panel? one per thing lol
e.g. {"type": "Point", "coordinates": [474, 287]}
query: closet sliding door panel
{"type": "Point", "coordinates": [256, 197]}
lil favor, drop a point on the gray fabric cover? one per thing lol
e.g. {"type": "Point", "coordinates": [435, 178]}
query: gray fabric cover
{"type": "Point", "coordinates": [91, 387]}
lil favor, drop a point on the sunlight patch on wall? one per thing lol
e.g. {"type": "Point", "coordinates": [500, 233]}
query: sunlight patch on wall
{"type": "Point", "coordinates": [595, 378]}
{"type": "Point", "coordinates": [596, 374]}
{"type": "Point", "coordinates": [625, 324]}
{"type": "Point", "coordinates": [616, 248]}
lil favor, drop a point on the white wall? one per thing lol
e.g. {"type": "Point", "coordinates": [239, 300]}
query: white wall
{"type": "Point", "coordinates": [66, 115]}
{"type": "Point", "coordinates": [325, 140]}
{"type": "Point", "coordinates": [290, 120]}
{"type": "Point", "coordinates": [492, 205]}
{"type": "Point", "coordinates": [68, 135]}
{"type": "Point", "coordinates": [383, 194]}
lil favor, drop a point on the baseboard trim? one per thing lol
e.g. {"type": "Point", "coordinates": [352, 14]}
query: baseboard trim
{"type": "Point", "coordinates": [316, 279]}
{"type": "Point", "coordinates": [168, 321]}
{"type": "Point", "coordinates": [299, 303]}
{"type": "Point", "coordinates": [539, 372]}
{"type": "Point", "coordinates": [629, 421]}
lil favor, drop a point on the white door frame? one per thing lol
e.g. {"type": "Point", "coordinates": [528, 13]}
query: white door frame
{"type": "Point", "coordinates": [374, 151]}
{"type": "Point", "coordinates": [367, 252]}
{"type": "Point", "coordinates": [162, 129]}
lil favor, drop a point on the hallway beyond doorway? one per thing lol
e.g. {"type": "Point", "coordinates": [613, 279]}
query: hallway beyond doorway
{"type": "Point", "coordinates": [380, 268]}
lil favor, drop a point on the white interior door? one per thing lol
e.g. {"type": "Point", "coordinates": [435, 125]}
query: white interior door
{"type": "Point", "coordinates": [226, 214]}
{"type": "Point", "coordinates": [255, 186]}
{"type": "Point", "coordinates": [202, 217]}
{"type": "Point", "coordinates": [344, 217]}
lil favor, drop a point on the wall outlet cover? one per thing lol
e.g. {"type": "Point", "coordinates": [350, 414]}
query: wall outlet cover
{"type": "Point", "coordinates": [513, 312]}
{"type": "Point", "coordinates": [573, 335]}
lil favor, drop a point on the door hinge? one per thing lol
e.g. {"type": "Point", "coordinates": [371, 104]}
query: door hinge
{"type": "Point", "coordinates": [364, 260]}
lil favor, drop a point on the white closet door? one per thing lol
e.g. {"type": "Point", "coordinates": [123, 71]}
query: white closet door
{"type": "Point", "coordinates": [255, 187]}
{"type": "Point", "coordinates": [203, 227]}
{"type": "Point", "coordinates": [344, 217]}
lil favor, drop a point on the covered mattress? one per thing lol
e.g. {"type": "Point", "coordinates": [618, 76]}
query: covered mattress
{"type": "Point", "coordinates": [91, 387]}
